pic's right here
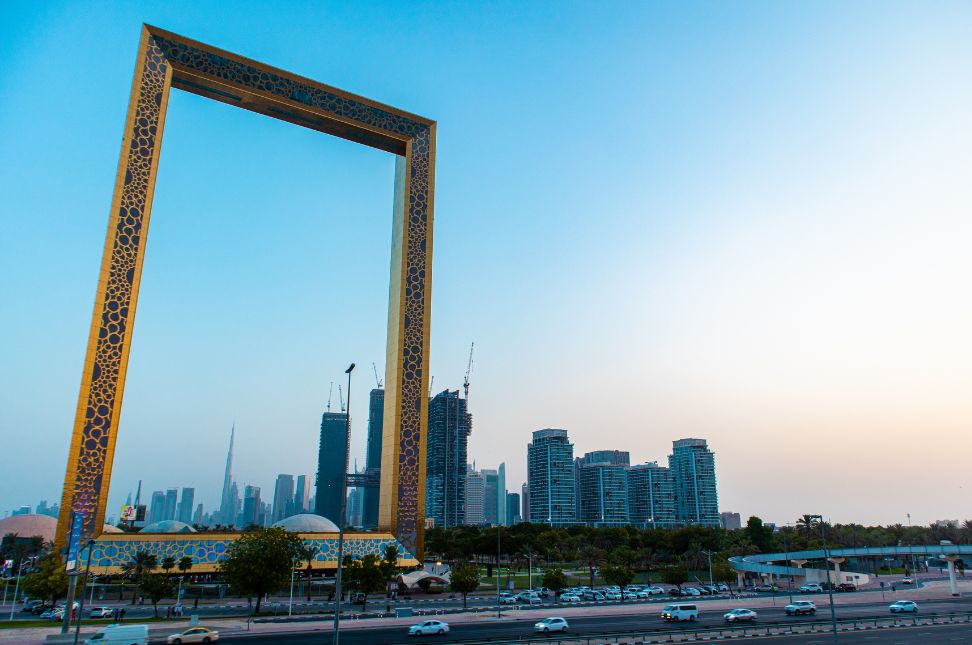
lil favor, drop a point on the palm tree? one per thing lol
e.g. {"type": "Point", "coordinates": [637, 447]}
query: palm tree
{"type": "Point", "coordinates": [185, 563]}
{"type": "Point", "coordinates": [967, 531]}
{"type": "Point", "coordinates": [141, 563]}
{"type": "Point", "coordinates": [808, 523]}
{"type": "Point", "coordinates": [308, 553]}
{"type": "Point", "coordinates": [168, 563]}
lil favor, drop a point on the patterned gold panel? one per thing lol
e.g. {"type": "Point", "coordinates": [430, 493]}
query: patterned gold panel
{"type": "Point", "coordinates": [168, 60]}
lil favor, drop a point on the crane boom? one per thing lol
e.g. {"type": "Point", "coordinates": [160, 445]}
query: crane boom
{"type": "Point", "coordinates": [329, 393]}
{"type": "Point", "coordinates": [340, 397]}
{"type": "Point", "coordinates": [465, 382]}
{"type": "Point", "coordinates": [377, 380]}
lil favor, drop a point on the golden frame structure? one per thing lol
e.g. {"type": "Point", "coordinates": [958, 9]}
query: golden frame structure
{"type": "Point", "coordinates": [166, 60]}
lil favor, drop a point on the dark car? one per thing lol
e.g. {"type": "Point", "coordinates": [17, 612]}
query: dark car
{"type": "Point", "coordinates": [845, 586]}
{"type": "Point", "coordinates": [37, 610]}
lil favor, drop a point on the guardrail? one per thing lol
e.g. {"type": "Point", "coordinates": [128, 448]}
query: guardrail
{"type": "Point", "coordinates": [761, 630]}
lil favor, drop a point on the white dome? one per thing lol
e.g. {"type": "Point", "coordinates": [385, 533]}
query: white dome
{"type": "Point", "coordinates": [307, 523]}
{"type": "Point", "coordinates": [108, 528]}
{"type": "Point", "coordinates": [168, 526]}
{"type": "Point", "coordinates": [29, 525]}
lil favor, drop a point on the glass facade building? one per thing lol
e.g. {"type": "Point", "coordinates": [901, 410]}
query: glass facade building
{"type": "Point", "coordinates": [603, 495]}
{"type": "Point", "coordinates": [331, 466]}
{"type": "Point", "coordinates": [550, 478]}
{"type": "Point", "coordinates": [651, 496]}
{"type": "Point", "coordinates": [693, 466]}
{"type": "Point", "coordinates": [376, 419]}
{"type": "Point", "coordinates": [445, 466]}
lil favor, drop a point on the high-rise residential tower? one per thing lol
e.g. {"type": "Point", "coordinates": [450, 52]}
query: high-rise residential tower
{"type": "Point", "coordinates": [525, 503]}
{"type": "Point", "coordinates": [171, 504]}
{"type": "Point", "coordinates": [331, 466]}
{"type": "Point", "coordinates": [445, 467]}
{"type": "Point", "coordinates": [693, 465]}
{"type": "Point", "coordinates": [550, 476]}
{"type": "Point", "coordinates": [651, 496]}
{"type": "Point", "coordinates": [156, 509]}
{"type": "Point", "coordinates": [490, 497]}
{"type": "Point", "coordinates": [604, 495]}
{"type": "Point", "coordinates": [252, 507]}
{"type": "Point", "coordinates": [283, 498]}
{"type": "Point", "coordinates": [376, 418]}
{"type": "Point", "coordinates": [611, 457]}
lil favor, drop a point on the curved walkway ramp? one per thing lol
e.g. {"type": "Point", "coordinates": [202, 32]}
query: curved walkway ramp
{"type": "Point", "coordinates": [763, 563]}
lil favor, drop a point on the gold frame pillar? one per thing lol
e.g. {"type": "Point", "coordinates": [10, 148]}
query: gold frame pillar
{"type": "Point", "coordinates": [166, 60]}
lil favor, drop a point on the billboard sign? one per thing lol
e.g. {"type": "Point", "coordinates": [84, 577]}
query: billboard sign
{"type": "Point", "coordinates": [128, 513]}
{"type": "Point", "coordinates": [74, 540]}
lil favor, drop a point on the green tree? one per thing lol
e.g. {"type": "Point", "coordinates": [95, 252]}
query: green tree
{"type": "Point", "coordinates": [185, 563]}
{"type": "Point", "coordinates": [591, 557]}
{"type": "Point", "coordinates": [157, 586]}
{"type": "Point", "coordinates": [760, 535]}
{"type": "Point", "coordinates": [555, 580]}
{"type": "Point", "coordinates": [618, 574]}
{"type": "Point", "coordinates": [365, 575]}
{"type": "Point", "coordinates": [722, 571]}
{"type": "Point", "coordinates": [143, 562]}
{"type": "Point", "coordinates": [49, 581]}
{"type": "Point", "coordinates": [465, 578]}
{"type": "Point", "coordinates": [168, 563]}
{"type": "Point", "coordinates": [674, 574]}
{"type": "Point", "coordinates": [307, 554]}
{"type": "Point", "coordinates": [260, 562]}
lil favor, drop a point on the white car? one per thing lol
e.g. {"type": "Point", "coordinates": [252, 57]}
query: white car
{"type": "Point", "coordinates": [528, 599]}
{"type": "Point", "coordinates": [801, 607]}
{"type": "Point", "coordinates": [508, 600]}
{"type": "Point", "coordinates": [194, 635]}
{"type": "Point", "coordinates": [812, 587]}
{"type": "Point", "coordinates": [651, 591]}
{"type": "Point", "coordinates": [570, 597]}
{"type": "Point", "coordinates": [429, 627]}
{"type": "Point", "coordinates": [102, 612]}
{"type": "Point", "coordinates": [612, 595]}
{"type": "Point", "coordinates": [548, 625]}
{"type": "Point", "coordinates": [691, 591]}
{"type": "Point", "coordinates": [738, 615]}
{"type": "Point", "coordinates": [903, 606]}
{"type": "Point", "coordinates": [630, 595]}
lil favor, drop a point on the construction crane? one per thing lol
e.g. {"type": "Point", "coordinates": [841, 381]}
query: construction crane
{"type": "Point", "coordinates": [329, 393]}
{"type": "Point", "coordinates": [340, 397]}
{"type": "Point", "coordinates": [465, 382]}
{"type": "Point", "coordinates": [377, 380]}
{"type": "Point", "coordinates": [431, 381]}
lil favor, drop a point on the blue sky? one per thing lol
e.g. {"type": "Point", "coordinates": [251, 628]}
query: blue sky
{"type": "Point", "coordinates": [741, 221]}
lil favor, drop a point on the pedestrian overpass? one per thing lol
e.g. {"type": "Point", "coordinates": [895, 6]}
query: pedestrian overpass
{"type": "Point", "coordinates": [768, 565]}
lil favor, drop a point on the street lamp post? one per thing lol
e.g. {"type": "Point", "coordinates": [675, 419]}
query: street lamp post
{"type": "Point", "coordinates": [789, 577]}
{"type": "Point", "coordinates": [87, 573]}
{"type": "Point", "coordinates": [708, 554]}
{"type": "Point", "coordinates": [344, 510]}
{"type": "Point", "coordinates": [290, 606]}
{"type": "Point", "coordinates": [499, 611]}
{"type": "Point", "coordinates": [830, 586]}
{"type": "Point", "coordinates": [17, 589]}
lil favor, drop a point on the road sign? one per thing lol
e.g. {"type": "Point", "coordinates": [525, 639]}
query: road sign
{"type": "Point", "coordinates": [74, 540]}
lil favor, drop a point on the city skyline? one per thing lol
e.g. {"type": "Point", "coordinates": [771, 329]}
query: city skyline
{"type": "Point", "coordinates": [755, 233]}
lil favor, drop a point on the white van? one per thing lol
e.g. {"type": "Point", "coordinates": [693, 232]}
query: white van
{"type": "Point", "coordinates": [120, 635]}
{"type": "Point", "coordinates": [677, 613]}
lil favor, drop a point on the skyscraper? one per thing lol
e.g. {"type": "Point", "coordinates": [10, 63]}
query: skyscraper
{"type": "Point", "coordinates": [604, 495]}
{"type": "Point", "coordinates": [613, 457]}
{"type": "Point", "coordinates": [490, 497]}
{"type": "Point", "coordinates": [550, 476]}
{"type": "Point", "coordinates": [302, 494]}
{"type": "Point", "coordinates": [227, 512]}
{"type": "Point", "coordinates": [376, 417]}
{"type": "Point", "coordinates": [512, 509]}
{"type": "Point", "coordinates": [355, 499]}
{"type": "Point", "coordinates": [252, 506]}
{"type": "Point", "coordinates": [283, 498]}
{"type": "Point", "coordinates": [171, 504]}
{"type": "Point", "coordinates": [651, 496]}
{"type": "Point", "coordinates": [156, 511]}
{"type": "Point", "coordinates": [331, 466]}
{"type": "Point", "coordinates": [185, 505]}
{"type": "Point", "coordinates": [475, 497]}
{"type": "Point", "coordinates": [445, 467]}
{"type": "Point", "coordinates": [525, 502]}
{"type": "Point", "coordinates": [234, 509]}
{"type": "Point", "coordinates": [693, 465]}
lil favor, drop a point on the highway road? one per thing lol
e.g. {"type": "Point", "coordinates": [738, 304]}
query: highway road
{"type": "Point", "coordinates": [637, 622]}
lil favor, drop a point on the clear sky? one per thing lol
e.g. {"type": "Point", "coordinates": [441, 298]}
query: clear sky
{"type": "Point", "coordinates": [743, 221]}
